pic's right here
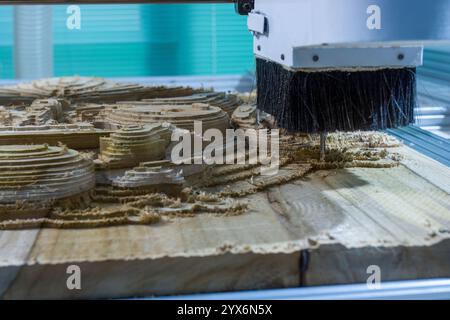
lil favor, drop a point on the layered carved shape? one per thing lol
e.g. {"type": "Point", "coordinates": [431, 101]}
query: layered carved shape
{"type": "Point", "coordinates": [41, 173]}
{"type": "Point", "coordinates": [131, 145]}
{"type": "Point", "coordinates": [181, 116]}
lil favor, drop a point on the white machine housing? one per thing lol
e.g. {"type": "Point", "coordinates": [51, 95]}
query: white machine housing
{"type": "Point", "coordinates": [324, 34]}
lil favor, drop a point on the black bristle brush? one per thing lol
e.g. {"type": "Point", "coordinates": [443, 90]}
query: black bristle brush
{"type": "Point", "coordinates": [328, 100]}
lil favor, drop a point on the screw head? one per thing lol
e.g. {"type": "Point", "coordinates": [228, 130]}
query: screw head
{"type": "Point", "coordinates": [258, 48]}
{"type": "Point", "coordinates": [315, 58]}
{"type": "Point", "coordinates": [282, 56]}
{"type": "Point", "coordinates": [401, 56]}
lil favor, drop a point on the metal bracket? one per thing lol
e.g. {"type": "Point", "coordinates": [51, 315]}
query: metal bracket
{"type": "Point", "coordinates": [257, 23]}
{"type": "Point", "coordinates": [369, 57]}
{"type": "Point", "coordinates": [244, 7]}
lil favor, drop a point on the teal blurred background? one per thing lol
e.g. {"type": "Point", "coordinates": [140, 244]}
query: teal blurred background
{"type": "Point", "coordinates": [157, 40]}
{"type": "Point", "coordinates": [142, 40]}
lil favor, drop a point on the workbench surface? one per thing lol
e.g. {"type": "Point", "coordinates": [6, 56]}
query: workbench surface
{"type": "Point", "coordinates": [324, 229]}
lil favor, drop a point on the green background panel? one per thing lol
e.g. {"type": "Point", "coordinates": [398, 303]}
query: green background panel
{"type": "Point", "coordinates": [6, 42]}
{"type": "Point", "coordinates": [143, 40]}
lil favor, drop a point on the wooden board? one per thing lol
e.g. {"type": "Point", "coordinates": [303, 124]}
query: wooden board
{"type": "Point", "coordinates": [325, 229]}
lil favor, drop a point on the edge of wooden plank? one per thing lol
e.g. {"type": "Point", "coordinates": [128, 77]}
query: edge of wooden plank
{"type": "Point", "coordinates": [429, 169]}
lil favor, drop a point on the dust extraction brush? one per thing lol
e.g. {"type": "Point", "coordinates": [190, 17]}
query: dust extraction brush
{"type": "Point", "coordinates": [313, 101]}
{"type": "Point", "coordinates": [326, 65]}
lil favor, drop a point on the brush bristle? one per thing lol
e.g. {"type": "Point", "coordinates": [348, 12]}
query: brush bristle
{"type": "Point", "coordinates": [327, 101]}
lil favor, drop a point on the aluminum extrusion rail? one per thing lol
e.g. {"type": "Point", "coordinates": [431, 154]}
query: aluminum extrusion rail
{"type": "Point", "coordinates": [425, 142]}
{"type": "Point", "coordinates": [431, 289]}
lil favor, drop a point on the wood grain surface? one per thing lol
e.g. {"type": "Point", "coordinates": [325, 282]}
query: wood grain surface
{"type": "Point", "coordinates": [324, 229]}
